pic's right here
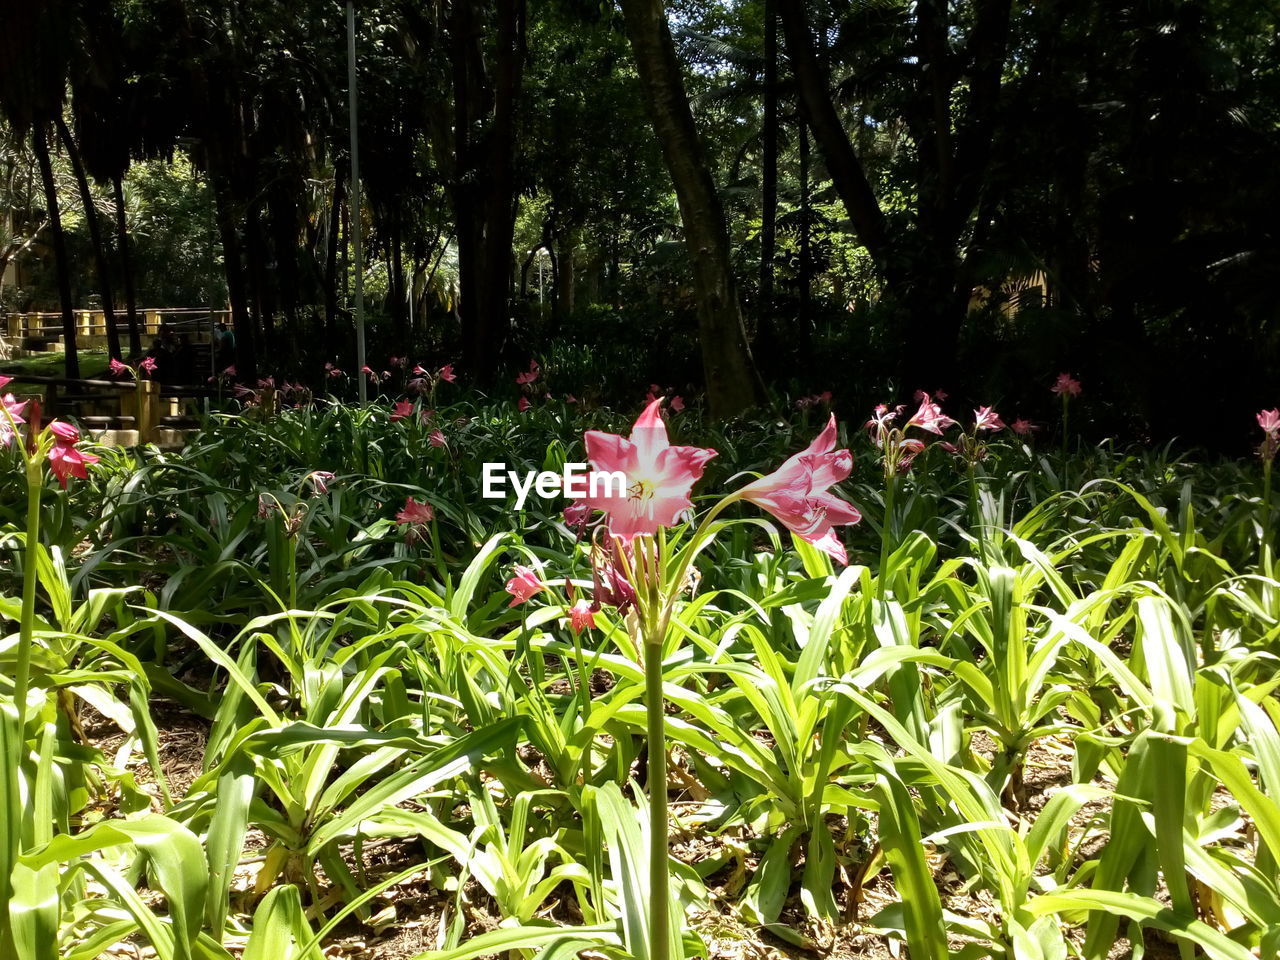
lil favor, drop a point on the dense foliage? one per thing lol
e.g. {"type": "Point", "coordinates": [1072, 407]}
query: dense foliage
{"type": "Point", "coordinates": [944, 193]}
{"type": "Point", "coordinates": [1046, 674]}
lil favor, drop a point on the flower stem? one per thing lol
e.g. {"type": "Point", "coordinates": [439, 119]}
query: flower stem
{"type": "Point", "coordinates": [886, 533]}
{"type": "Point", "coordinates": [659, 882]}
{"type": "Point", "coordinates": [16, 750]}
{"type": "Point", "coordinates": [1266, 518]}
{"type": "Point", "coordinates": [1066, 424]}
{"type": "Point", "coordinates": [22, 670]}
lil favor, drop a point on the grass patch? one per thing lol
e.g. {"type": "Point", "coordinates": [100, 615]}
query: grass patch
{"type": "Point", "coordinates": [93, 365]}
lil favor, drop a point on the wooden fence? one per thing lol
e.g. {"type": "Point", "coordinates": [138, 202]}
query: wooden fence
{"type": "Point", "coordinates": [116, 411]}
{"type": "Point", "coordinates": [92, 324]}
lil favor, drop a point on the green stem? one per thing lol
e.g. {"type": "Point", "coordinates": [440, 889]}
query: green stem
{"type": "Point", "coordinates": [21, 683]}
{"type": "Point", "coordinates": [22, 670]}
{"type": "Point", "coordinates": [1266, 518]}
{"type": "Point", "coordinates": [291, 551]}
{"type": "Point", "coordinates": [659, 883]}
{"type": "Point", "coordinates": [886, 532]}
{"type": "Point", "coordinates": [975, 508]}
{"type": "Point", "coordinates": [1066, 423]}
{"type": "Point", "coordinates": [584, 706]}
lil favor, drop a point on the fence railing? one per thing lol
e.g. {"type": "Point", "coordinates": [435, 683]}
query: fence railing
{"type": "Point", "coordinates": [139, 405]}
{"type": "Point", "coordinates": [47, 325]}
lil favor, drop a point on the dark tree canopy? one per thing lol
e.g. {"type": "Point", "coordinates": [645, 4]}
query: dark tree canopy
{"type": "Point", "coordinates": [863, 196]}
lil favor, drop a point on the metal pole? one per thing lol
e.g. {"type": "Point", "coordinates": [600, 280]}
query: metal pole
{"type": "Point", "coordinates": [355, 198]}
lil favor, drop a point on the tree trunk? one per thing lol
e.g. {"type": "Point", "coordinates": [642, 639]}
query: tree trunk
{"type": "Point", "coordinates": [806, 214]}
{"type": "Point", "coordinates": [126, 267]}
{"type": "Point", "coordinates": [921, 266]}
{"type": "Point", "coordinates": [400, 302]}
{"type": "Point", "coordinates": [261, 297]}
{"type": "Point", "coordinates": [566, 275]}
{"type": "Point", "coordinates": [769, 167]}
{"type": "Point", "coordinates": [466, 65]}
{"type": "Point", "coordinates": [95, 238]}
{"type": "Point", "coordinates": [331, 254]}
{"type": "Point", "coordinates": [237, 292]}
{"type": "Point", "coordinates": [483, 190]}
{"type": "Point", "coordinates": [819, 112]}
{"type": "Point", "coordinates": [733, 385]}
{"type": "Point", "coordinates": [41, 144]}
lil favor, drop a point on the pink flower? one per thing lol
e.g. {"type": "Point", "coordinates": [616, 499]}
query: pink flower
{"type": "Point", "coordinates": [523, 405]}
{"type": "Point", "coordinates": [418, 371]}
{"type": "Point", "coordinates": [230, 372]}
{"type": "Point", "coordinates": [523, 585]}
{"type": "Point", "coordinates": [64, 459]}
{"type": "Point", "coordinates": [581, 615]}
{"type": "Point", "coordinates": [331, 370]}
{"type": "Point", "coordinates": [1268, 420]}
{"type": "Point", "coordinates": [267, 383]}
{"type": "Point", "coordinates": [320, 480]}
{"type": "Point", "coordinates": [570, 398]}
{"type": "Point", "coordinates": [984, 418]}
{"type": "Point", "coordinates": [658, 476]}
{"type": "Point", "coordinates": [797, 493]}
{"type": "Point", "coordinates": [415, 512]}
{"type": "Point", "coordinates": [907, 453]}
{"type": "Point", "coordinates": [1066, 385]}
{"type": "Point", "coordinates": [676, 404]}
{"type": "Point", "coordinates": [436, 439]}
{"type": "Point", "coordinates": [148, 365]}
{"type": "Point", "coordinates": [1023, 428]}
{"type": "Point", "coordinates": [921, 397]}
{"type": "Point", "coordinates": [12, 415]}
{"type": "Point", "coordinates": [116, 368]}
{"type": "Point", "coordinates": [5, 381]}
{"type": "Point", "coordinates": [880, 421]}
{"type": "Point", "coordinates": [395, 362]}
{"type": "Point", "coordinates": [531, 376]}
{"type": "Point", "coordinates": [576, 515]}
{"type": "Point", "coordinates": [446, 373]}
{"type": "Point", "coordinates": [403, 408]}
{"type": "Point", "coordinates": [64, 432]}
{"type": "Point", "coordinates": [930, 417]}
{"type": "Point", "coordinates": [610, 587]}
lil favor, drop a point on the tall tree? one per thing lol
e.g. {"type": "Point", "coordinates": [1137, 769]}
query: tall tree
{"type": "Point", "coordinates": [124, 245]}
{"type": "Point", "coordinates": [769, 163]}
{"type": "Point", "coordinates": [948, 101]}
{"type": "Point", "coordinates": [733, 385]}
{"type": "Point", "coordinates": [95, 238]}
{"type": "Point", "coordinates": [485, 96]}
{"type": "Point", "coordinates": [34, 51]}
